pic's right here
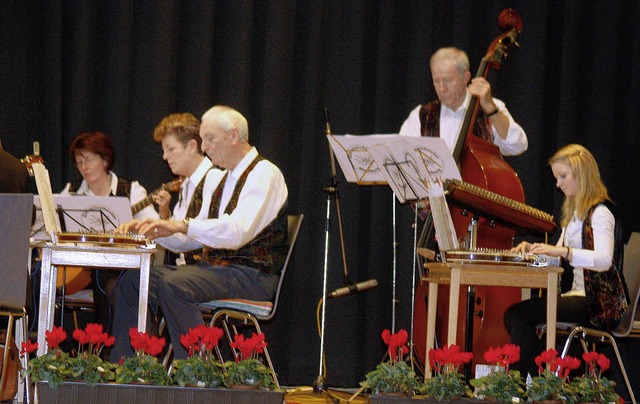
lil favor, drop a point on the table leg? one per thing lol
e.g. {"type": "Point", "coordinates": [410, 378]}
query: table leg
{"type": "Point", "coordinates": [454, 297]}
{"type": "Point", "coordinates": [552, 307]}
{"type": "Point", "coordinates": [431, 325]}
{"type": "Point", "coordinates": [143, 298]}
{"type": "Point", "coordinates": [48, 275]}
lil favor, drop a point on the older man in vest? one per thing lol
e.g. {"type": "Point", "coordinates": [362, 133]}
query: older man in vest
{"type": "Point", "coordinates": [242, 233]}
{"type": "Point", "coordinates": [455, 87]}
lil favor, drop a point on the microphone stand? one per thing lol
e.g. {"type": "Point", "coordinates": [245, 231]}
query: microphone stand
{"type": "Point", "coordinates": [394, 300]}
{"type": "Point", "coordinates": [332, 194]}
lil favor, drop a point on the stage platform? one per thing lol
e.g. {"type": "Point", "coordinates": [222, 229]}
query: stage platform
{"type": "Point", "coordinates": [304, 395]}
{"type": "Point", "coordinates": [81, 393]}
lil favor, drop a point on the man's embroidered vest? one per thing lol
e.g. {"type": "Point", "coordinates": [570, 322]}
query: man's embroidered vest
{"type": "Point", "coordinates": [430, 122]}
{"type": "Point", "coordinates": [195, 204]}
{"type": "Point", "coordinates": [266, 251]}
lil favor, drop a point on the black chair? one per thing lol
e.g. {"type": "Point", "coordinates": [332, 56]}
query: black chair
{"type": "Point", "coordinates": [629, 325]}
{"type": "Point", "coordinates": [16, 211]}
{"type": "Point", "coordinates": [253, 312]}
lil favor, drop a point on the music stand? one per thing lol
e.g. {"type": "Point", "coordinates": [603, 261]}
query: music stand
{"type": "Point", "coordinates": [80, 213]}
{"type": "Point", "coordinates": [409, 165]}
{"type": "Point", "coordinates": [358, 167]}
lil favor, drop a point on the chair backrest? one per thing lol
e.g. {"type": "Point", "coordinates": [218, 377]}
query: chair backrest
{"type": "Point", "coordinates": [16, 211]}
{"type": "Point", "coordinates": [632, 277]}
{"type": "Point", "coordinates": [293, 228]}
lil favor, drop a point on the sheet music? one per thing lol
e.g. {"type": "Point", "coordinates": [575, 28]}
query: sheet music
{"type": "Point", "coordinates": [434, 157]}
{"type": "Point", "coordinates": [43, 184]}
{"type": "Point", "coordinates": [401, 173]}
{"type": "Point", "coordinates": [83, 213]}
{"type": "Point", "coordinates": [354, 157]}
{"type": "Point", "coordinates": [410, 163]}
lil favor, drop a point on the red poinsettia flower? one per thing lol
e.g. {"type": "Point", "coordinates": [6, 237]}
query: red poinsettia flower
{"type": "Point", "coordinates": [93, 335]}
{"type": "Point", "coordinates": [603, 362]}
{"type": "Point", "coordinates": [211, 337]}
{"type": "Point", "coordinates": [201, 339]}
{"type": "Point", "coordinates": [55, 337]}
{"type": "Point", "coordinates": [143, 343]}
{"type": "Point", "coordinates": [590, 358]}
{"type": "Point", "coordinates": [594, 360]}
{"type": "Point", "coordinates": [191, 342]}
{"type": "Point", "coordinates": [567, 364]}
{"type": "Point", "coordinates": [139, 340]}
{"type": "Point", "coordinates": [258, 342]}
{"type": "Point", "coordinates": [503, 356]}
{"type": "Point", "coordinates": [396, 343]}
{"type": "Point", "coordinates": [249, 347]}
{"type": "Point", "coordinates": [93, 328]}
{"type": "Point", "coordinates": [110, 341]}
{"type": "Point", "coordinates": [28, 347]}
{"type": "Point", "coordinates": [553, 363]}
{"type": "Point", "coordinates": [243, 345]}
{"type": "Point", "coordinates": [448, 358]}
{"type": "Point", "coordinates": [81, 336]}
{"type": "Point", "coordinates": [155, 346]}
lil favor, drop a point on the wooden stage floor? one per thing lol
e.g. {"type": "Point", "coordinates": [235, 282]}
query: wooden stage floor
{"type": "Point", "coordinates": [304, 395]}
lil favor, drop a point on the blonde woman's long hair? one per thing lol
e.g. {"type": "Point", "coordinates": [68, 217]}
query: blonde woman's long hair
{"type": "Point", "coordinates": [585, 170]}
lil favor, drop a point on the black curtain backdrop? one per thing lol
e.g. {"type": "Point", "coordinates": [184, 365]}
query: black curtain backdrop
{"type": "Point", "coordinates": [120, 66]}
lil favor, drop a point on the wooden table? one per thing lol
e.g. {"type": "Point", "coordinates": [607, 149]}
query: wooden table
{"type": "Point", "coordinates": [88, 256]}
{"type": "Point", "coordinates": [486, 275]}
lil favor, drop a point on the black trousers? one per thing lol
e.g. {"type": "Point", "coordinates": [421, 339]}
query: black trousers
{"type": "Point", "coordinates": [104, 283]}
{"type": "Point", "coordinates": [522, 318]}
{"type": "Point", "coordinates": [176, 292]}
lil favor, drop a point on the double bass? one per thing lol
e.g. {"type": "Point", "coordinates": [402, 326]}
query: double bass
{"type": "Point", "coordinates": [481, 164]}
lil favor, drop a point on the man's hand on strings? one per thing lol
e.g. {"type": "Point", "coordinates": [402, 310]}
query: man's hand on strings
{"type": "Point", "coordinates": [128, 227]}
{"type": "Point", "coordinates": [152, 228]}
{"type": "Point", "coordinates": [481, 88]}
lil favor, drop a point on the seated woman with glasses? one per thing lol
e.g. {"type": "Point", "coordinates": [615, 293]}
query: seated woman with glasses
{"type": "Point", "coordinates": [94, 155]}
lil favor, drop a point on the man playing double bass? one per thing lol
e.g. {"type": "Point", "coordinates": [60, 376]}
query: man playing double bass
{"type": "Point", "coordinates": [443, 117]}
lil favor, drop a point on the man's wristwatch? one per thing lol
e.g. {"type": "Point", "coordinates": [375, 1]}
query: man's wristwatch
{"type": "Point", "coordinates": [186, 221]}
{"type": "Point", "coordinates": [490, 114]}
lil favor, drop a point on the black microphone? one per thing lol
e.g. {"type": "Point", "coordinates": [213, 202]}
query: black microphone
{"type": "Point", "coordinates": [355, 288]}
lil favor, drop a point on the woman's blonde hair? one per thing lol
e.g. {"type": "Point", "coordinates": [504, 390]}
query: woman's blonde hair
{"type": "Point", "coordinates": [585, 171]}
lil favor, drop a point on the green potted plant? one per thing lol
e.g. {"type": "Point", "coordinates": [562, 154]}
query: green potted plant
{"type": "Point", "coordinates": [592, 386]}
{"type": "Point", "coordinates": [447, 383]}
{"type": "Point", "coordinates": [144, 366]}
{"type": "Point", "coordinates": [393, 376]}
{"type": "Point", "coordinates": [53, 367]}
{"type": "Point", "coordinates": [87, 365]}
{"type": "Point", "coordinates": [553, 376]}
{"type": "Point", "coordinates": [501, 383]}
{"type": "Point", "coordinates": [247, 371]}
{"type": "Point", "coordinates": [84, 365]}
{"type": "Point", "coordinates": [201, 368]}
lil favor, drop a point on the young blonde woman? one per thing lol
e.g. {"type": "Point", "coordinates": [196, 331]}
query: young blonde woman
{"type": "Point", "coordinates": [591, 247]}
